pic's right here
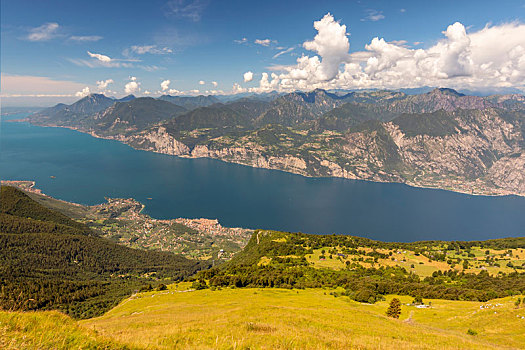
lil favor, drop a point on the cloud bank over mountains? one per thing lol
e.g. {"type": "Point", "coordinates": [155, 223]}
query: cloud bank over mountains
{"type": "Point", "coordinates": [493, 57]}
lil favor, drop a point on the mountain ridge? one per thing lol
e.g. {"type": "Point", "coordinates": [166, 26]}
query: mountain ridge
{"type": "Point", "coordinates": [440, 138]}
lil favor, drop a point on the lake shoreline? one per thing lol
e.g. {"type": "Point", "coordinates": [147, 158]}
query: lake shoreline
{"type": "Point", "coordinates": [86, 170]}
{"type": "Point", "coordinates": [22, 185]}
{"type": "Point", "coordinates": [488, 193]}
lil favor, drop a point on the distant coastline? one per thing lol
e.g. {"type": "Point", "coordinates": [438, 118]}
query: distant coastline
{"type": "Point", "coordinates": [459, 188]}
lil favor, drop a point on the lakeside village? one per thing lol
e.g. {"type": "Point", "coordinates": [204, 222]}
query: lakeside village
{"type": "Point", "coordinates": [121, 220]}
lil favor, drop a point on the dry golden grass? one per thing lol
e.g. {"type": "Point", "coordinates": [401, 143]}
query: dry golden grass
{"type": "Point", "coordinates": [48, 330]}
{"type": "Point", "coordinates": [303, 319]}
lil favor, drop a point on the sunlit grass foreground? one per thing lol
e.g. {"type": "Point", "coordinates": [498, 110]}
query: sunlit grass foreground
{"type": "Point", "coordinates": [271, 319]}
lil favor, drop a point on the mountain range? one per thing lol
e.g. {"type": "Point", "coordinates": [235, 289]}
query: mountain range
{"type": "Point", "coordinates": [441, 138]}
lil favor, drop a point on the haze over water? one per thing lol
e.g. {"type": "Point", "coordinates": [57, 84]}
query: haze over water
{"type": "Point", "coordinates": [87, 169]}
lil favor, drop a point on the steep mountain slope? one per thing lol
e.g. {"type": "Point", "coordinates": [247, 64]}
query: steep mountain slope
{"type": "Point", "coordinates": [191, 102]}
{"type": "Point", "coordinates": [363, 267]}
{"type": "Point", "coordinates": [134, 115]}
{"type": "Point", "coordinates": [47, 262]}
{"type": "Point", "coordinates": [437, 139]}
{"type": "Point", "coordinates": [446, 99]}
{"type": "Point", "coordinates": [71, 115]}
{"type": "Point", "coordinates": [351, 114]}
{"type": "Point", "coordinates": [18, 205]}
{"type": "Point", "coordinates": [298, 107]}
{"type": "Point", "coordinates": [126, 98]}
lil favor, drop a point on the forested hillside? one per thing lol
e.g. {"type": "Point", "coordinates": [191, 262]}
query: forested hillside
{"type": "Point", "coordinates": [368, 270]}
{"type": "Point", "coordinates": [49, 261]}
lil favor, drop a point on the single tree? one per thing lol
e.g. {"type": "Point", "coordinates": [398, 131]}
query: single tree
{"type": "Point", "coordinates": [394, 309]}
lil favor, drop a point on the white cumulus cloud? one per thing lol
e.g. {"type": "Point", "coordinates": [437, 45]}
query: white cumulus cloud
{"type": "Point", "coordinates": [85, 91]}
{"type": "Point", "coordinates": [493, 57]}
{"type": "Point", "coordinates": [202, 82]}
{"type": "Point", "coordinates": [165, 85]}
{"type": "Point", "coordinates": [132, 86]}
{"type": "Point", "coordinates": [214, 83]}
{"type": "Point", "coordinates": [331, 44]}
{"type": "Point", "coordinates": [248, 76]}
{"type": "Point", "coordinates": [103, 84]}
{"type": "Point", "coordinates": [237, 89]}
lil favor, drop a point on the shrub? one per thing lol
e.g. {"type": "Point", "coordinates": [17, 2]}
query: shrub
{"type": "Point", "coordinates": [199, 284]}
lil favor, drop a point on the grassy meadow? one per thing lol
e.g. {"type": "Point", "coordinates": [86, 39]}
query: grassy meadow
{"type": "Point", "coordinates": [48, 330]}
{"type": "Point", "coordinates": [305, 319]}
{"type": "Point", "coordinates": [499, 261]}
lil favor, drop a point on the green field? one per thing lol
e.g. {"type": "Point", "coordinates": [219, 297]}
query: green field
{"type": "Point", "coordinates": [251, 318]}
{"type": "Point", "coordinates": [499, 261]}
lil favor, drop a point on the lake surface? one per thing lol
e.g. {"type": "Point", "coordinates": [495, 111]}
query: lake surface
{"type": "Point", "coordinates": [87, 169]}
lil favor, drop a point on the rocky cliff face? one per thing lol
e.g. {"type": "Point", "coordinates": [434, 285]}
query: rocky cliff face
{"type": "Point", "coordinates": [483, 155]}
{"type": "Point", "coordinates": [438, 139]}
{"type": "Point", "coordinates": [157, 140]}
{"type": "Point", "coordinates": [509, 173]}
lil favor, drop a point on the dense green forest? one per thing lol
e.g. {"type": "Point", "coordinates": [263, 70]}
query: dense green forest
{"type": "Point", "coordinates": [48, 261]}
{"type": "Point", "coordinates": [17, 204]}
{"type": "Point", "coordinates": [278, 259]}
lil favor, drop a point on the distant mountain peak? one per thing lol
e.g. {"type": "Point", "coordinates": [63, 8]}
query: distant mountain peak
{"type": "Point", "coordinates": [446, 91]}
{"type": "Point", "coordinates": [127, 98]}
{"type": "Point", "coordinates": [94, 95]}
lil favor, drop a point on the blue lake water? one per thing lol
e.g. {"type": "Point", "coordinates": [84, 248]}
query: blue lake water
{"type": "Point", "coordinates": [87, 169]}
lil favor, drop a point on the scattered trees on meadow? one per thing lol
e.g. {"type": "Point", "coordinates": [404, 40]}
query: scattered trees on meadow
{"type": "Point", "coordinates": [394, 309]}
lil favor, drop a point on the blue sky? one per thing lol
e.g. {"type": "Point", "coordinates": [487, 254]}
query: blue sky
{"type": "Point", "coordinates": [192, 43]}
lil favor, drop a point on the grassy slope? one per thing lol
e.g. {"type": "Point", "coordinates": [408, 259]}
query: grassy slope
{"type": "Point", "coordinates": [48, 330]}
{"type": "Point", "coordinates": [312, 318]}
